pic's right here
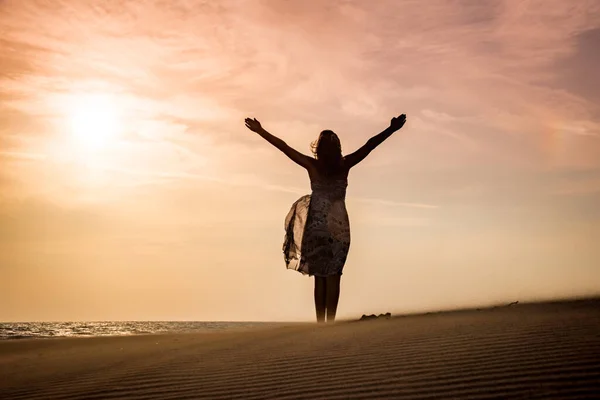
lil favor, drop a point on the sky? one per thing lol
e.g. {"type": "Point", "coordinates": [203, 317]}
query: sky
{"type": "Point", "coordinates": [130, 188]}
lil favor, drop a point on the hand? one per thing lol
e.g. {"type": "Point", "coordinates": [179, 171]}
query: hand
{"type": "Point", "coordinates": [253, 125]}
{"type": "Point", "coordinates": [398, 122]}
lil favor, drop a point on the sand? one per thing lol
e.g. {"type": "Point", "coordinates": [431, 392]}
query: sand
{"type": "Point", "coordinates": [524, 351]}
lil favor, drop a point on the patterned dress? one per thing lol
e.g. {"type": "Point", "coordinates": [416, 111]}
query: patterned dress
{"type": "Point", "coordinates": [317, 237]}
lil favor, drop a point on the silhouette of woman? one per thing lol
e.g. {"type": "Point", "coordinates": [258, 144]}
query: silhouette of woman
{"type": "Point", "coordinates": [317, 229]}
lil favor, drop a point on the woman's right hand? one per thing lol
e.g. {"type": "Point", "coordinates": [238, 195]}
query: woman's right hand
{"type": "Point", "coordinates": [253, 125]}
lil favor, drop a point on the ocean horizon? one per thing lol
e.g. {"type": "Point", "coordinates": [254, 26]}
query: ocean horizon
{"type": "Point", "coordinates": [56, 329]}
{"type": "Point", "coordinates": [47, 330]}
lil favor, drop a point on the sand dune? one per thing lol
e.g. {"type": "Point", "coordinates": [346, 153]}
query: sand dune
{"type": "Point", "coordinates": [526, 351]}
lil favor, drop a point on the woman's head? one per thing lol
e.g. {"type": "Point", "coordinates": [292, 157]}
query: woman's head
{"type": "Point", "coordinates": [327, 147]}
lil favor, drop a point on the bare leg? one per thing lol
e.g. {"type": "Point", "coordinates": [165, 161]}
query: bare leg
{"type": "Point", "coordinates": [333, 295]}
{"type": "Point", "coordinates": [320, 297]}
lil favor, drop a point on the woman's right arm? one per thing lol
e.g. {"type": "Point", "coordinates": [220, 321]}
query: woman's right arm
{"type": "Point", "coordinates": [294, 155]}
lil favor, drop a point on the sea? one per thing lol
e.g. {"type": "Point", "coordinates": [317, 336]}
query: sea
{"type": "Point", "coordinates": [46, 330]}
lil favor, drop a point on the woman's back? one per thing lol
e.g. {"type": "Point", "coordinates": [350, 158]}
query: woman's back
{"type": "Point", "coordinates": [317, 229]}
{"type": "Point", "coordinates": [332, 188]}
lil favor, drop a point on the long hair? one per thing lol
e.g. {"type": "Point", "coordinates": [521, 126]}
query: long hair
{"type": "Point", "coordinates": [328, 149]}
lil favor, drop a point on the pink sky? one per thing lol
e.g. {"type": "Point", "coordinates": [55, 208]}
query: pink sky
{"type": "Point", "coordinates": [490, 193]}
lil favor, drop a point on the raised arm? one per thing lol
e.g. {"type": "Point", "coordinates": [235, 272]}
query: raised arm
{"type": "Point", "coordinates": [294, 155]}
{"type": "Point", "coordinates": [352, 159]}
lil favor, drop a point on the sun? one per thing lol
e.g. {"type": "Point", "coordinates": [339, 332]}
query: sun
{"type": "Point", "coordinates": [94, 121]}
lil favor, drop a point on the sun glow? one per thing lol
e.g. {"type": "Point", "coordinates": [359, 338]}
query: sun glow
{"type": "Point", "coordinates": [95, 121]}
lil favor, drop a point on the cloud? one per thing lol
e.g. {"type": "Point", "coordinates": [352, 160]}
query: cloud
{"type": "Point", "coordinates": [23, 156]}
{"type": "Point", "coordinates": [499, 78]}
{"type": "Point", "coordinates": [577, 71]}
{"type": "Point", "coordinates": [385, 202]}
{"type": "Point", "coordinates": [577, 182]}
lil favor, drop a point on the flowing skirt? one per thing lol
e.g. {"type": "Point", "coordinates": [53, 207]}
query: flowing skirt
{"type": "Point", "coordinates": [317, 236]}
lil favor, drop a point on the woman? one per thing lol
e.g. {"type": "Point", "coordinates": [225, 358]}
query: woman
{"type": "Point", "coordinates": [317, 236]}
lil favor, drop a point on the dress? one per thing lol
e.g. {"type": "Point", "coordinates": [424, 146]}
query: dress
{"type": "Point", "coordinates": [317, 230]}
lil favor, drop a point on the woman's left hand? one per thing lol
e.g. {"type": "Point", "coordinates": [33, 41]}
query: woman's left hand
{"type": "Point", "coordinates": [253, 125]}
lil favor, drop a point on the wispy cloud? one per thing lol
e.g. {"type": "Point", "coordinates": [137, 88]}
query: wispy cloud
{"type": "Point", "coordinates": [23, 156]}
{"type": "Point", "coordinates": [494, 76]}
{"type": "Point", "coordinates": [385, 202]}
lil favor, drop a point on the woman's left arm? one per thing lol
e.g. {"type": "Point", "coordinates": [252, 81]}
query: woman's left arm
{"type": "Point", "coordinates": [352, 159]}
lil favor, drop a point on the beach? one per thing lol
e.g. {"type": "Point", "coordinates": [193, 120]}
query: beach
{"type": "Point", "coordinates": [544, 350]}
